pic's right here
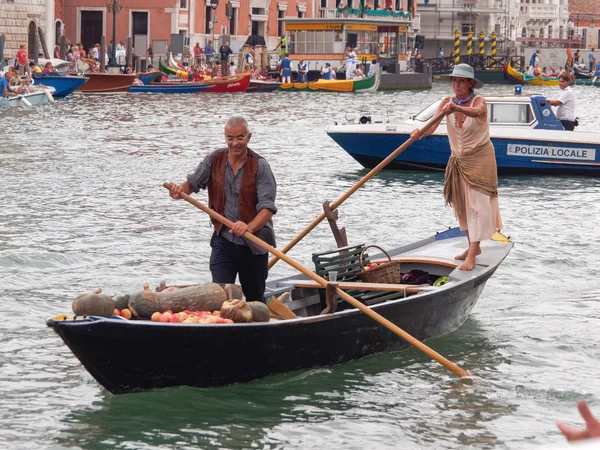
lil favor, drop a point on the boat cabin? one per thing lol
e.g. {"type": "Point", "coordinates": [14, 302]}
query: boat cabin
{"type": "Point", "coordinates": [527, 111]}
{"type": "Point", "coordinates": [378, 35]}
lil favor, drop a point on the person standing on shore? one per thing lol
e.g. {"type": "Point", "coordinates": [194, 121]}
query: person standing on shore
{"type": "Point", "coordinates": [242, 188]}
{"type": "Point", "coordinates": [471, 184]}
{"type": "Point", "coordinates": [565, 111]}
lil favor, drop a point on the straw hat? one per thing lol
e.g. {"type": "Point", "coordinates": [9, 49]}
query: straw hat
{"type": "Point", "coordinates": [465, 71]}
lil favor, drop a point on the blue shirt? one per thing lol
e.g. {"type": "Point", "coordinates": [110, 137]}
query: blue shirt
{"type": "Point", "coordinates": [591, 57]}
{"type": "Point", "coordinates": [3, 83]}
{"type": "Point", "coordinates": [209, 50]}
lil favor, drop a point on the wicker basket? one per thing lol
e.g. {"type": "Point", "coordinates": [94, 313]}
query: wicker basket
{"type": "Point", "coordinates": [386, 272]}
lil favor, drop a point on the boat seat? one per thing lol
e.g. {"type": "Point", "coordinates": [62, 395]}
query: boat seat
{"type": "Point", "coordinates": [346, 261]}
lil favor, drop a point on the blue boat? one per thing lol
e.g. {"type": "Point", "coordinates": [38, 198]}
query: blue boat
{"type": "Point", "coordinates": [149, 77]}
{"type": "Point", "coordinates": [171, 88]}
{"type": "Point", "coordinates": [527, 137]}
{"type": "Point", "coordinates": [64, 84]}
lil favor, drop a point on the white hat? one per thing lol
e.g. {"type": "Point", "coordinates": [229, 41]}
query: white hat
{"type": "Point", "coordinates": [465, 71]}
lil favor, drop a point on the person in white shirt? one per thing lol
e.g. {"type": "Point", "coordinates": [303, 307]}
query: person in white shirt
{"type": "Point", "coordinates": [565, 111]}
{"type": "Point", "coordinates": [232, 69]}
{"type": "Point", "coordinates": [372, 68]}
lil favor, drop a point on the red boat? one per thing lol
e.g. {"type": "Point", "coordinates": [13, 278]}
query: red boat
{"type": "Point", "coordinates": [106, 83]}
{"type": "Point", "coordinates": [232, 83]}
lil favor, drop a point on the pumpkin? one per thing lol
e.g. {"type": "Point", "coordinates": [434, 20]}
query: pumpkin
{"type": "Point", "coordinates": [236, 310]}
{"type": "Point", "coordinates": [201, 297]}
{"type": "Point", "coordinates": [122, 301]}
{"type": "Point", "coordinates": [94, 305]}
{"type": "Point", "coordinates": [260, 311]}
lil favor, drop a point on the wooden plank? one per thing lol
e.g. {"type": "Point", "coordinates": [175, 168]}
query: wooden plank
{"type": "Point", "coordinates": [360, 286]}
{"type": "Point", "coordinates": [421, 260]}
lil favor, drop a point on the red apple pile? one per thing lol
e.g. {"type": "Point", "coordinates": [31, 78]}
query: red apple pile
{"type": "Point", "coordinates": [190, 317]}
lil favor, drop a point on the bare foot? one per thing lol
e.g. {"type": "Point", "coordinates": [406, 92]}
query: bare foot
{"type": "Point", "coordinates": [469, 264]}
{"type": "Point", "coordinates": [464, 254]}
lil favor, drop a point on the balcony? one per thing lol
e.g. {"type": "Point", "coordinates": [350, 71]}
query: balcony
{"type": "Point", "coordinates": [379, 15]}
{"type": "Point", "coordinates": [543, 12]}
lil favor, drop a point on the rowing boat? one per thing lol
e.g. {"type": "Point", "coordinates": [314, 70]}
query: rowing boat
{"type": "Point", "coordinates": [138, 355]}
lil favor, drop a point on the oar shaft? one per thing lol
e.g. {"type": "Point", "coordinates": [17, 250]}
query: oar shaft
{"type": "Point", "coordinates": [386, 323]}
{"type": "Point", "coordinates": [354, 188]}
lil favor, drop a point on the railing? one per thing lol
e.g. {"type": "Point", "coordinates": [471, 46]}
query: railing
{"type": "Point", "coordinates": [478, 62]}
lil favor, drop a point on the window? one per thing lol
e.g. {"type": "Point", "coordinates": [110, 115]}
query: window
{"type": "Point", "coordinates": [510, 113]}
{"type": "Point", "coordinates": [183, 4]}
{"type": "Point", "coordinates": [58, 28]}
{"type": "Point", "coordinates": [233, 21]}
{"type": "Point", "coordinates": [280, 16]}
{"type": "Point", "coordinates": [323, 4]}
{"type": "Point", "coordinates": [300, 14]}
{"type": "Point", "coordinates": [208, 21]}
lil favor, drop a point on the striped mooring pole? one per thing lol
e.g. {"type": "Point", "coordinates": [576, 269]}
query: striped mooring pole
{"type": "Point", "coordinates": [469, 44]}
{"type": "Point", "coordinates": [481, 42]}
{"type": "Point", "coordinates": [456, 46]}
{"type": "Point", "coordinates": [493, 51]}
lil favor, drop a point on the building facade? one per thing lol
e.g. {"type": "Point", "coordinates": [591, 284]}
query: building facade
{"type": "Point", "coordinates": [21, 19]}
{"type": "Point", "coordinates": [517, 24]}
{"type": "Point", "coordinates": [163, 23]}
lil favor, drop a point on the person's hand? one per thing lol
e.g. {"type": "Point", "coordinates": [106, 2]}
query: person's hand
{"type": "Point", "coordinates": [592, 425]}
{"type": "Point", "coordinates": [239, 228]}
{"type": "Point", "coordinates": [414, 134]}
{"type": "Point", "coordinates": [175, 190]}
{"type": "Point", "coordinates": [449, 108]}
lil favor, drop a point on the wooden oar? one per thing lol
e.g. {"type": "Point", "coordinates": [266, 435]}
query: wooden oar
{"type": "Point", "coordinates": [354, 188]}
{"type": "Point", "coordinates": [365, 309]}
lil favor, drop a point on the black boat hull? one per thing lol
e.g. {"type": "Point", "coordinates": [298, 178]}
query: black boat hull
{"type": "Point", "coordinates": [135, 356]}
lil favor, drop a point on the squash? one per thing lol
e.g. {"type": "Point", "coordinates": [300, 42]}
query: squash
{"type": "Point", "coordinates": [94, 305]}
{"type": "Point", "coordinates": [236, 310]}
{"type": "Point", "coordinates": [201, 297]}
{"type": "Point", "coordinates": [122, 301]}
{"type": "Point", "coordinates": [260, 311]}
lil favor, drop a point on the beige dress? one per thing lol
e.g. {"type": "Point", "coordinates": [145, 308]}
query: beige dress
{"type": "Point", "coordinates": [482, 213]}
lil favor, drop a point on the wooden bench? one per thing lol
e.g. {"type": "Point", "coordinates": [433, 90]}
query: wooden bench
{"type": "Point", "coordinates": [345, 261]}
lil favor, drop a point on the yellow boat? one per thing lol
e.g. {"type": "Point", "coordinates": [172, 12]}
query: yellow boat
{"type": "Point", "coordinates": [523, 78]}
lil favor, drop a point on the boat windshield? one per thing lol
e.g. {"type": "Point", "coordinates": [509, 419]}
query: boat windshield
{"type": "Point", "coordinates": [428, 112]}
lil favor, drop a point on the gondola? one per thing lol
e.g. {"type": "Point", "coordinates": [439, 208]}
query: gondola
{"type": "Point", "coordinates": [138, 355]}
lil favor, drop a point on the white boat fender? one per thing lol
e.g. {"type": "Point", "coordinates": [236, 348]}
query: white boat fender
{"type": "Point", "coordinates": [49, 95]}
{"type": "Point", "coordinates": [25, 101]}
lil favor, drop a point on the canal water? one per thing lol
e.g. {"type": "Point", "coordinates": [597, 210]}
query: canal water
{"type": "Point", "coordinates": [83, 207]}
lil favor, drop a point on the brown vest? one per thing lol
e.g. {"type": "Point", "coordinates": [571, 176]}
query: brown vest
{"type": "Point", "coordinates": [248, 195]}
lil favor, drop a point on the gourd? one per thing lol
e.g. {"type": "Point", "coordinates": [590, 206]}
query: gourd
{"type": "Point", "coordinates": [236, 310]}
{"type": "Point", "coordinates": [260, 311]}
{"type": "Point", "coordinates": [122, 301]}
{"type": "Point", "coordinates": [94, 305]}
{"type": "Point", "coordinates": [201, 297]}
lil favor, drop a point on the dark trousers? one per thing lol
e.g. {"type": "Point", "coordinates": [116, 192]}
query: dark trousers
{"type": "Point", "coordinates": [228, 260]}
{"type": "Point", "coordinates": [568, 124]}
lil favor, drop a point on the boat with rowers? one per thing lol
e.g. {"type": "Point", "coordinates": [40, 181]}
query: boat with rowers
{"type": "Point", "coordinates": [527, 137]}
{"type": "Point", "coordinates": [203, 355]}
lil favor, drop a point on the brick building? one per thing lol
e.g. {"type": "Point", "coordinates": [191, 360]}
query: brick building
{"type": "Point", "coordinates": [20, 19]}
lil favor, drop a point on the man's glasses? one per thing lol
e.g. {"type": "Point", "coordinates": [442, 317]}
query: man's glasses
{"type": "Point", "coordinates": [231, 139]}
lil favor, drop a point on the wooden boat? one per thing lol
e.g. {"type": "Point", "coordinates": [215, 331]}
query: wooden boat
{"type": "Point", "coordinates": [149, 77]}
{"type": "Point", "coordinates": [106, 83]}
{"type": "Point", "coordinates": [170, 71]}
{"type": "Point", "coordinates": [39, 97]}
{"type": "Point", "coordinates": [369, 84]}
{"type": "Point", "coordinates": [231, 83]}
{"type": "Point", "coordinates": [172, 88]}
{"type": "Point", "coordinates": [527, 137]}
{"type": "Point", "coordinates": [175, 354]}
{"type": "Point", "coordinates": [523, 78]}
{"type": "Point", "coordinates": [263, 86]}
